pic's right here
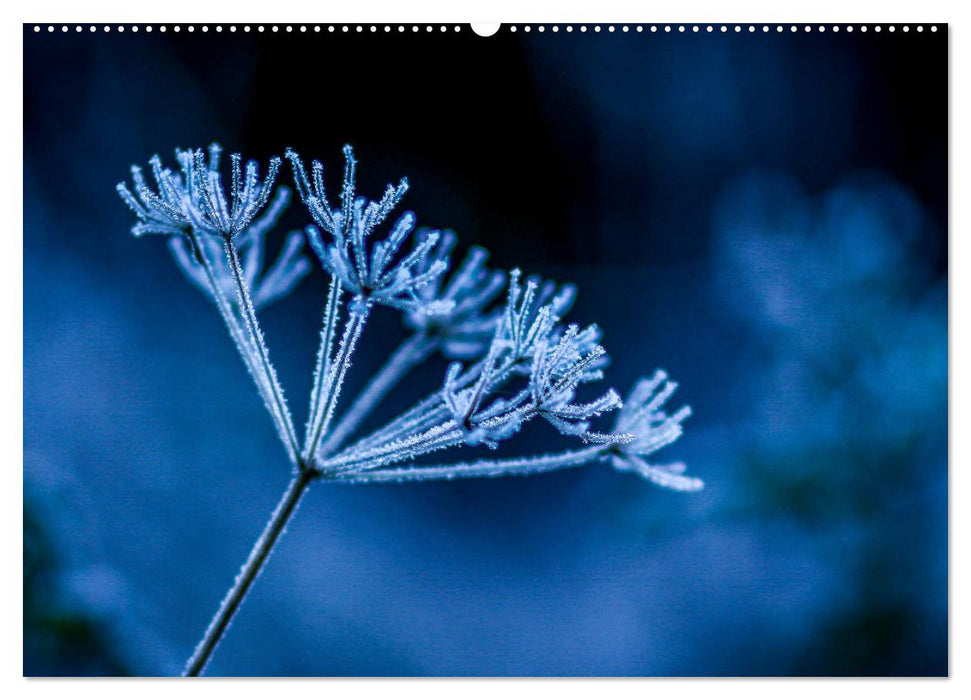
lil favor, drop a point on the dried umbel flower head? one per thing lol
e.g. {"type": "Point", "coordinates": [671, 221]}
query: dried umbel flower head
{"type": "Point", "coordinates": [195, 198]}
{"type": "Point", "coordinates": [213, 210]}
{"type": "Point", "coordinates": [653, 429]}
{"type": "Point", "coordinates": [465, 321]}
{"type": "Point", "coordinates": [371, 270]}
{"type": "Point", "coordinates": [162, 211]}
{"type": "Point", "coordinates": [514, 358]}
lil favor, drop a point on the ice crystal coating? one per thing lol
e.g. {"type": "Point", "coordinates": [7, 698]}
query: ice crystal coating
{"type": "Point", "coordinates": [518, 361]}
{"type": "Point", "coordinates": [467, 406]}
{"type": "Point", "coordinates": [266, 285]}
{"type": "Point", "coordinates": [652, 428]}
{"type": "Point", "coordinates": [514, 359]}
{"type": "Point", "coordinates": [554, 379]}
{"type": "Point", "coordinates": [209, 208]}
{"type": "Point", "coordinates": [527, 318]}
{"type": "Point", "coordinates": [195, 196]}
{"type": "Point", "coordinates": [532, 368]}
{"type": "Point", "coordinates": [464, 327]}
{"type": "Point", "coordinates": [642, 428]}
{"type": "Point", "coordinates": [210, 231]}
{"type": "Point", "coordinates": [377, 273]}
{"type": "Point", "coordinates": [161, 212]}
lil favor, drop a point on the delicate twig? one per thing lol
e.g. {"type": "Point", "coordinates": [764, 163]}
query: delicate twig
{"type": "Point", "coordinates": [521, 466]}
{"type": "Point", "coordinates": [323, 410]}
{"type": "Point", "coordinates": [280, 412]}
{"type": "Point", "coordinates": [410, 353]}
{"type": "Point", "coordinates": [232, 323]}
{"type": "Point", "coordinates": [251, 569]}
{"type": "Point", "coordinates": [429, 411]}
{"type": "Point", "coordinates": [324, 355]}
{"type": "Point", "coordinates": [440, 436]}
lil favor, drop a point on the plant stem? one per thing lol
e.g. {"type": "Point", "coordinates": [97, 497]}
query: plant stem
{"type": "Point", "coordinates": [324, 353]}
{"type": "Point", "coordinates": [232, 324]}
{"type": "Point", "coordinates": [424, 414]}
{"type": "Point", "coordinates": [279, 404]}
{"type": "Point", "coordinates": [410, 353]}
{"type": "Point", "coordinates": [251, 569]}
{"type": "Point", "coordinates": [331, 388]}
{"type": "Point", "coordinates": [482, 468]}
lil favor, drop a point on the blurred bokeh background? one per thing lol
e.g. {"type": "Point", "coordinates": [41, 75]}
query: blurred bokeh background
{"type": "Point", "coordinates": [762, 215]}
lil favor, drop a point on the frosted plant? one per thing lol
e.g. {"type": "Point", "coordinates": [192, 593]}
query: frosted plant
{"type": "Point", "coordinates": [192, 204]}
{"type": "Point", "coordinates": [644, 417]}
{"type": "Point", "coordinates": [377, 275]}
{"type": "Point", "coordinates": [513, 358]}
{"type": "Point", "coordinates": [266, 286]}
{"type": "Point", "coordinates": [463, 330]}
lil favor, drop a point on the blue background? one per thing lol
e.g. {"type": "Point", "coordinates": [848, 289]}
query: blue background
{"type": "Point", "coordinates": [762, 215]}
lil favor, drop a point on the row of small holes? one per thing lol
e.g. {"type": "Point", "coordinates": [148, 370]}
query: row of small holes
{"type": "Point", "coordinates": [245, 28]}
{"type": "Point", "coordinates": [569, 28]}
{"type": "Point", "coordinates": [724, 28]}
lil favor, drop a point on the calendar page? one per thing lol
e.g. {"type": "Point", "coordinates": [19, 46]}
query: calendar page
{"type": "Point", "coordinates": [533, 350]}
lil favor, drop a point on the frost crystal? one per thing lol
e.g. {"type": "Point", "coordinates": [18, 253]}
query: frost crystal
{"type": "Point", "coordinates": [195, 197]}
{"type": "Point", "coordinates": [652, 428]}
{"type": "Point", "coordinates": [161, 212]}
{"type": "Point", "coordinates": [266, 286]}
{"type": "Point", "coordinates": [466, 325]}
{"type": "Point", "coordinates": [377, 273]}
{"type": "Point", "coordinates": [555, 376]}
{"type": "Point", "coordinates": [513, 360]}
{"type": "Point", "coordinates": [210, 232]}
{"type": "Point", "coordinates": [209, 208]}
{"type": "Point", "coordinates": [532, 368]}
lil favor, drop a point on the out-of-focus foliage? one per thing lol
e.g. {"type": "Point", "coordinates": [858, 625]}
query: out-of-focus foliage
{"type": "Point", "coordinates": [60, 636]}
{"type": "Point", "coordinates": [851, 414]}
